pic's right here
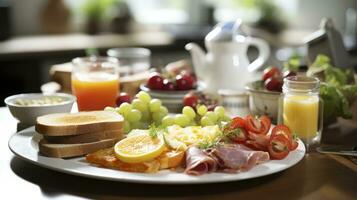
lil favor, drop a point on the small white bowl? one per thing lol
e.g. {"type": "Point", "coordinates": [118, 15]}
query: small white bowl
{"type": "Point", "coordinates": [28, 114]}
{"type": "Point", "coordinates": [262, 101]}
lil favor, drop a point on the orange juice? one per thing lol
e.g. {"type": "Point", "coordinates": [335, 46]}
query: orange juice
{"type": "Point", "coordinates": [95, 90]}
{"type": "Point", "coordinates": [301, 115]}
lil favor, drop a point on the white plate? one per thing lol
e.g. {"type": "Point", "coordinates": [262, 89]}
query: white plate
{"type": "Point", "coordinates": [25, 145]}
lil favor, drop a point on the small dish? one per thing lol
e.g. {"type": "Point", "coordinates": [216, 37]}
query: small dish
{"type": "Point", "coordinates": [27, 114]}
{"type": "Point", "coordinates": [262, 101]}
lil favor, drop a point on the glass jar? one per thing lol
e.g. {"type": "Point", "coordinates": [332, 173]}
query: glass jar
{"type": "Point", "coordinates": [300, 108]}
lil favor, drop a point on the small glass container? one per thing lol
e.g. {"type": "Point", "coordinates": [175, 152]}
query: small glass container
{"type": "Point", "coordinates": [301, 109]}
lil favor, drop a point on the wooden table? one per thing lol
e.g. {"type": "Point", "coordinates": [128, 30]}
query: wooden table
{"type": "Point", "coordinates": [317, 176]}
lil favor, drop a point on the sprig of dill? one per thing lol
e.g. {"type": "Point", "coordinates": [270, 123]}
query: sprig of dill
{"type": "Point", "coordinates": [154, 130]}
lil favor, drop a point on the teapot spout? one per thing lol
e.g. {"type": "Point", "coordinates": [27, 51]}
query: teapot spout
{"type": "Point", "coordinates": [198, 58]}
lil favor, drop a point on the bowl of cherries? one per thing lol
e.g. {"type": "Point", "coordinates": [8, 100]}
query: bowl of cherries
{"type": "Point", "coordinates": [170, 87]}
{"type": "Point", "coordinates": [264, 94]}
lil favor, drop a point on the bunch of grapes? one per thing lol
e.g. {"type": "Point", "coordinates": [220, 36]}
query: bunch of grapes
{"type": "Point", "coordinates": [203, 117]}
{"type": "Point", "coordinates": [141, 112]}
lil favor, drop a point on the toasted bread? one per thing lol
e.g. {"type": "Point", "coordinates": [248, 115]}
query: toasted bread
{"type": "Point", "coordinates": [73, 150]}
{"type": "Point", "coordinates": [84, 138]}
{"type": "Point", "coordinates": [62, 124]}
{"type": "Point", "coordinates": [107, 158]}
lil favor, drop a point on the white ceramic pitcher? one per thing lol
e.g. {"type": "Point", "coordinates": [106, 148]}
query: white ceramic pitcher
{"type": "Point", "coordinates": [226, 64]}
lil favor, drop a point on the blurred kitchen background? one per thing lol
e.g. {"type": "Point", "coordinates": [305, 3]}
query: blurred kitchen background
{"type": "Point", "coordinates": [37, 34]}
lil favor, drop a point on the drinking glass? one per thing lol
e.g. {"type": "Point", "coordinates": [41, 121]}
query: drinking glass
{"type": "Point", "coordinates": [95, 82]}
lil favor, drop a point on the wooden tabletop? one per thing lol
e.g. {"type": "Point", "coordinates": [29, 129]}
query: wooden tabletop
{"type": "Point", "coordinates": [317, 176]}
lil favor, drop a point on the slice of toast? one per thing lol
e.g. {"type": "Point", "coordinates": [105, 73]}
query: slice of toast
{"type": "Point", "coordinates": [73, 150]}
{"type": "Point", "coordinates": [62, 124]}
{"type": "Point", "coordinates": [84, 138]}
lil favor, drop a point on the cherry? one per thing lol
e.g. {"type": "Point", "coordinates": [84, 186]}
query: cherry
{"type": "Point", "coordinates": [289, 73]}
{"type": "Point", "coordinates": [155, 81]}
{"type": "Point", "coordinates": [190, 99]}
{"type": "Point", "coordinates": [123, 97]}
{"type": "Point", "coordinates": [168, 85]}
{"type": "Point", "coordinates": [183, 82]}
{"type": "Point", "coordinates": [271, 72]}
{"type": "Point", "coordinates": [273, 84]}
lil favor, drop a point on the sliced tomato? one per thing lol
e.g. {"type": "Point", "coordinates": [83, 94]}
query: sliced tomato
{"type": "Point", "coordinates": [278, 147]}
{"type": "Point", "coordinates": [258, 141]}
{"type": "Point", "coordinates": [285, 131]}
{"type": "Point", "coordinates": [237, 122]}
{"type": "Point", "coordinates": [257, 125]}
{"type": "Point", "coordinates": [294, 143]}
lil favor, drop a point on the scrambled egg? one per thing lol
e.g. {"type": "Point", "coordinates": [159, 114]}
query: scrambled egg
{"type": "Point", "coordinates": [194, 134]}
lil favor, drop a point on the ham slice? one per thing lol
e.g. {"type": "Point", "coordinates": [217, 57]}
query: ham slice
{"type": "Point", "coordinates": [236, 157]}
{"type": "Point", "coordinates": [198, 162]}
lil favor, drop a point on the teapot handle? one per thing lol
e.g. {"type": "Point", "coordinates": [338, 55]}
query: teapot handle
{"type": "Point", "coordinates": [264, 53]}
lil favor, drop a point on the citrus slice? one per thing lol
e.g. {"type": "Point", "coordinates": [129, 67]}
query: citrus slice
{"type": "Point", "coordinates": [139, 148]}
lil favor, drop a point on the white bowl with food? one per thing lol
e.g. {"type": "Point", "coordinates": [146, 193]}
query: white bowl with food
{"type": "Point", "coordinates": [263, 101]}
{"type": "Point", "coordinates": [27, 107]}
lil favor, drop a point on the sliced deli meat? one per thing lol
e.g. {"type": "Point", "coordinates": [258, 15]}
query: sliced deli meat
{"type": "Point", "coordinates": [237, 157]}
{"type": "Point", "coordinates": [198, 162]}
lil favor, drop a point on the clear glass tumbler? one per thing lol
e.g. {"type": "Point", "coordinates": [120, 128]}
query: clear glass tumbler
{"type": "Point", "coordinates": [95, 82]}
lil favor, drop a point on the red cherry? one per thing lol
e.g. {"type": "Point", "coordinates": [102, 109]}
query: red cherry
{"type": "Point", "coordinates": [289, 73]}
{"type": "Point", "coordinates": [123, 97]}
{"type": "Point", "coordinates": [273, 84]}
{"type": "Point", "coordinates": [155, 82]}
{"type": "Point", "coordinates": [190, 100]}
{"type": "Point", "coordinates": [271, 72]}
{"type": "Point", "coordinates": [168, 85]}
{"type": "Point", "coordinates": [183, 83]}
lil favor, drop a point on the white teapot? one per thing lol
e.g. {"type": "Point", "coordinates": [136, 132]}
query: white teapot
{"type": "Point", "coordinates": [226, 65]}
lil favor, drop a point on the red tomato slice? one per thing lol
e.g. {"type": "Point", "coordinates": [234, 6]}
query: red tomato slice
{"type": "Point", "coordinates": [285, 131]}
{"type": "Point", "coordinates": [259, 126]}
{"type": "Point", "coordinates": [278, 147]}
{"type": "Point", "coordinates": [237, 122]}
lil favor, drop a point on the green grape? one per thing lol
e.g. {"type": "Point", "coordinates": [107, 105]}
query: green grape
{"type": "Point", "coordinates": [168, 120]}
{"type": "Point", "coordinates": [189, 112]}
{"type": "Point", "coordinates": [108, 108]}
{"type": "Point", "coordinates": [124, 109]}
{"type": "Point", "coordinates": [163, 110]}
{"type": "Point", "coordinates": [219, 111]}
{"type": "Point", "coordinates": [206, 121]}
{"type": "Point", "coordinates": [201, 110]}
{"type": "Point", "coordinates": [226, 118]}
{"type": "Point", "coordinates": [137, 125]}
{"type": "Point", "coordinates": [126, 127]}
{"type": "Point", "coordinates": [155, 105]}
{"type": "Point", "coordinates": [157, 117]}
{"type": "Point", "coordinates": [143, 96]}
{"type": "Point", "coordinates": [145, 116]}
{"type": "Point", "coordinates": [212, 116]}
{"type": "Point", "coordinates": [140, 105]}
{"type": "Point", "coordinates": [134, 115]}
{"type": "Point", "coordinates": [182, 120]}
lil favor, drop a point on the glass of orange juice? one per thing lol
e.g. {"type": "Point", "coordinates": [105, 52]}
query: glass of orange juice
{"type": "Point", "coordinates": [95, 82]}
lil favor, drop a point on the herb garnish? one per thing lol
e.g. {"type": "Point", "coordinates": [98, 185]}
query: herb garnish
{"type": "Point", "coordinates": [154, 130]}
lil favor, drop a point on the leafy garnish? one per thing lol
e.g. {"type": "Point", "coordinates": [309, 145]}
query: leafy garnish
{"type": "Point", "coordinates": [207, 144]}
{"type": "Point", "coordinates": [154, 130]}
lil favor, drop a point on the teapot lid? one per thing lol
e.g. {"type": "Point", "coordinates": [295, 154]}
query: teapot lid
{"type": "Point", "coordinates": [226, 32]}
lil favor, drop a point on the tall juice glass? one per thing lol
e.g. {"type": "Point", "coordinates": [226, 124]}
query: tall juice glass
{"type": "Point", "coordinates": [95, 82]}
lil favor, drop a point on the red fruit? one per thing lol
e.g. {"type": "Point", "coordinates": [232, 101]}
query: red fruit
{"type": "Point", "coordinates": [168, 85]}
{"type": "Point", "coordinates": [190, 100]}
{"type": "Point", "coordinates": [123, 97]}
{"type": "Point", "coordinates": [273, 84]}
{"type": "Point", "coordinates": [184, 82]}
{"type": "Point", "coordinates": [271, 72]}
{"type": "Point", "coordinates": [289, 73]}
{"type": "Point", "coordinates": [211, 107]}
{"type": "Point", "coordinates": [155, 82]}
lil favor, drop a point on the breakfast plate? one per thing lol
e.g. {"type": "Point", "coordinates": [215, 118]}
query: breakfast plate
{"type": "Point", "coordinates": [25, 145]}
